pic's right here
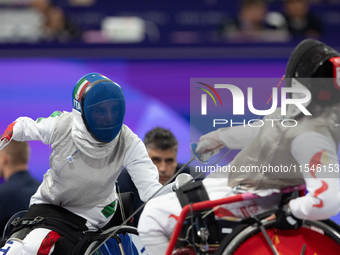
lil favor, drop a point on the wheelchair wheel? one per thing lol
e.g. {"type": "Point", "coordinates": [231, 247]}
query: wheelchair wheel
{"type": "Point", "coordinates": [126, 238]}
{"type": "Point", "coordinates": [314, 237]}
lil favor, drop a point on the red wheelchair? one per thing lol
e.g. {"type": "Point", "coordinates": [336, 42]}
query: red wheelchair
{"type": "Point", "coordinates": [259, 237]}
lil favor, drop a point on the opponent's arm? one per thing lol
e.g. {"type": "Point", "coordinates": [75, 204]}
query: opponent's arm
{"type": "Point", "coordinates": [317, 157]}
{"type": "Point", "coordinates": [232, 137]}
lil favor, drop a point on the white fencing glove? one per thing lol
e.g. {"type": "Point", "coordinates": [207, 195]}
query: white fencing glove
{"type": "Point", "coordinates": [182, 179]}
{"type": "Point", "coordinates": [3, 143]}
{"type": "Point", "coordinates": [7, 136]}
{"type": "Point", "coordinates": [208, 145]}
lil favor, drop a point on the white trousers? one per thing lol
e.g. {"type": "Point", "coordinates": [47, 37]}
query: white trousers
{"type": "Point", "coordinates": [38, 241]}
{"type": "Point", "coordinates": [42, 239]}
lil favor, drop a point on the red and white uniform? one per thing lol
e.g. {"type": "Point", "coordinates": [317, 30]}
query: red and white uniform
{"type": "Point", "coordinates": [310, 147]}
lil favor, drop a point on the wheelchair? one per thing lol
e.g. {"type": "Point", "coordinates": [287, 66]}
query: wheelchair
{"type": "Point", "coordinates": [314, 237]}
{"type": "Point", "coordinates": [244, 237]}
{"type": "Point", "coordinates": [123, 239]}
{"type": "Point", "coordinates": [254, 235]}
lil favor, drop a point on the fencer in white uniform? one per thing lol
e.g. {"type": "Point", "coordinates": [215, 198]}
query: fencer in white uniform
{"type": "Point", "coordinates": [90, 146]}
{"type": "Point", "coordinates": [310, 148]}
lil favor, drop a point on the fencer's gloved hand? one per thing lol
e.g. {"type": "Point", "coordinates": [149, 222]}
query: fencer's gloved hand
{"type": "Point", "coordinates": [7, 136]}
{"type": "Point", "coordinates": [8, 132]}
{"type": "Point", "coordinates": [286, 220]}
{"type": "Point", "coordinates": [3, 143]}
{"type": "Point", "coordinates": [182, 179]}
{"type": "Point", "coordinates": [209, 145]}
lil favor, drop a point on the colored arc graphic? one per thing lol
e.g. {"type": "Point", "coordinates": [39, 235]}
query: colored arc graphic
{"type": "Point", "coordinates": [208, 94]}
{"type": "Point", "coordinates": [208, 86]}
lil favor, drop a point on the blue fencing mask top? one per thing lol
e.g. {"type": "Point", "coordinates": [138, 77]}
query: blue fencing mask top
{"type": "Point", "coordinates": [102, 106]}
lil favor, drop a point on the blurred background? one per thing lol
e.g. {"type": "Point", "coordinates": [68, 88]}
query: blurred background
{"type": "Point", "coordinates": [151, 48]}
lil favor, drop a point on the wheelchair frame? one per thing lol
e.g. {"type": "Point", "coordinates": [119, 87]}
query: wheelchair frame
{"type": "Point", "coordinates": [240, 236]}
{"type": "Point", "coordinates": [119, 230]}
{"type": "Point", "coordinates": [212, 203]}
{"type": "Point", "coordinates": [251, 237]}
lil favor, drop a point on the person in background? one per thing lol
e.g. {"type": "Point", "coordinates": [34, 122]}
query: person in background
{"type": "Point", "coordinates": [19, 185]}
{"type": "Point", "coordinates": [254, 23]}
{"type": "Point", "coordinates": [57, 26]}
{"type": "Point", "coordinates": [162, 147]}
{"type": "Point", "coordinates": [301, 23]}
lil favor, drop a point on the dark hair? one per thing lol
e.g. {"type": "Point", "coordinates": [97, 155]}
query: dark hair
{"type": "Point", "coordinates": [160, 138]}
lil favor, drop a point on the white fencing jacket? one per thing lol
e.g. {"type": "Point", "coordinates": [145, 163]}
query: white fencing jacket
{"type": "Point", "coordinates": [83, 171]}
